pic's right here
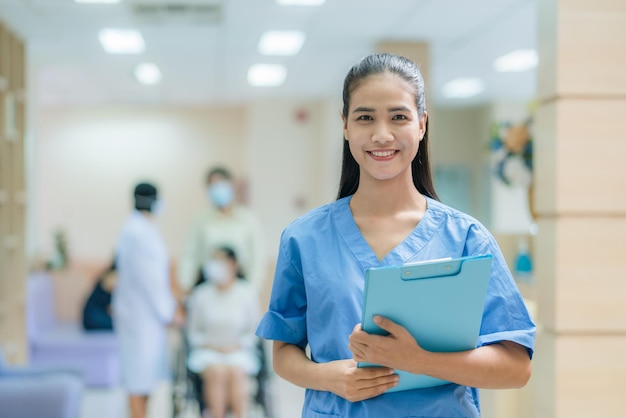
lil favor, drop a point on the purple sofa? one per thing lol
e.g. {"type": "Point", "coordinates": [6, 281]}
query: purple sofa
{"type": "Point", "coordinates": [61, 344]}
{"type": "Point", "coordinates": [27, 392]}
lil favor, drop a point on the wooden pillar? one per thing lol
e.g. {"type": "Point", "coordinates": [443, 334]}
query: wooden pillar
{"type": "Point", "coordinates": [580, 197]}
{"type": "Point", "coordinates": [417, 52]}
{"type": "Point", "coordinates": [12, 197]}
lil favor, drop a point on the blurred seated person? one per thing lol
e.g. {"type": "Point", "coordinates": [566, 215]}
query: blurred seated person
{"type": "Point", "coordinates": [97, 309]}
{"type": "Point", "coordinates": [222, 317]}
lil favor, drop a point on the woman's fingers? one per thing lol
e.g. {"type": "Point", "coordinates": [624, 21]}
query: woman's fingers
{"type": "Point", "coordinates": [374, 381]}
{"type": "Point", "coordinates": [358, 383]}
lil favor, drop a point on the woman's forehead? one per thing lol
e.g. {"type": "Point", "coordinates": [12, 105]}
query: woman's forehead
{"type": "Point", "coordinates": [220, 254]}
{"type": "Point", "coordinates": [384, 88]}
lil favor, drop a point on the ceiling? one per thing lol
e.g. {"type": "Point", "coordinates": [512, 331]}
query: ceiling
{"type": "Point", "coordinates": [205, 60]}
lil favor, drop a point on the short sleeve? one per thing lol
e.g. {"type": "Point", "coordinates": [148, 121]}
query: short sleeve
{"type": "Point", "coordinates": [285, 319]}
{"type": "Point", "coordinates": [505, 317]}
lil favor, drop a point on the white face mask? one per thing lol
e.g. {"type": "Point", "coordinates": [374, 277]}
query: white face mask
{"type": "Point", "coordinates": [216, 271]}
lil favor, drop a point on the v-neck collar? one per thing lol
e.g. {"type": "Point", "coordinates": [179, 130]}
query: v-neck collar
{"type": "Point", "coordinates": [401, 253]}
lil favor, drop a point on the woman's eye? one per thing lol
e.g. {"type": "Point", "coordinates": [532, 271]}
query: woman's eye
{"type": "Point", "coordinates": [399, 117]}
{"type": "Point", "coordinates": [364, 117]}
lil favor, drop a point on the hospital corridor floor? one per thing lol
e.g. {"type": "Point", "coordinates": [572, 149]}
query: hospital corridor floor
{"type": "Point", "coordinates": [111, 402]}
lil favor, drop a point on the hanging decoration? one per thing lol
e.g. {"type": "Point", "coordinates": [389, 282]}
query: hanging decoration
{"type": "Point", "coordinates": [511, 147]}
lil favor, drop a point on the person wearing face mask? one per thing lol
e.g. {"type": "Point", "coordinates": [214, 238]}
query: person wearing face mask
{"type": "Point", "coordinates": [223, 312]}
{"type": "Point", "coordinates": [224, 223]}
{"type": "Point", "coordinates": [142, 301]}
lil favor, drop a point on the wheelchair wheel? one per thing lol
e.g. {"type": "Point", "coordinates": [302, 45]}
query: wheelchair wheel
{"type": "Point", "coordinates": [263, 395]}
{"type": "Point", "coordinates": [184, 399]}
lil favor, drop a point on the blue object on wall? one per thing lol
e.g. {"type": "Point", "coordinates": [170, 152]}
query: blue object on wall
{"type": "Point", "coordinates": [523, 262]}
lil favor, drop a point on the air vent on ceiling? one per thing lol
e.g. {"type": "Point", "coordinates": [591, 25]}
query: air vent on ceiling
{"type": "Point", "coordinates": [178, 13]}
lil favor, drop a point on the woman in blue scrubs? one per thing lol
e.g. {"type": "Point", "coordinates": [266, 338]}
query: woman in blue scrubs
{"type": "Point", "coordinates": [387, 213]}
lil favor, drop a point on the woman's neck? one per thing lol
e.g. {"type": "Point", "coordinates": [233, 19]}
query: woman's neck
{"type": "Point", "coordinates": [225, 286]}
{"type": "Point", "coordinates": [226, 210]}
{"type": "Point", "coordinates": [387, 197]}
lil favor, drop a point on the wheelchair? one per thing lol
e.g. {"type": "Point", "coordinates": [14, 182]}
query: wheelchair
{"type": "Point", "coordinates": [187, 386]}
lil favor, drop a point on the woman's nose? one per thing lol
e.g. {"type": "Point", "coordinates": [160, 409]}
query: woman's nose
{"type": "Point", "coordinates": [382, 133]}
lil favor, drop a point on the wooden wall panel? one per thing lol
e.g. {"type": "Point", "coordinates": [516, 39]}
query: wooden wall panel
{"type": "Point", "coordinates": [579, 376]}
{"type": "Point", "coordinates": [572, 137]}
{"type": "Point", "coordinates": [579, 43]}
{"type": "Point", "coordinates": [591, 35]}
{"type": "Point", "coordinates": [590, 156]}
{"type": "Point", "coordinates": [581, 271]}
{"type": "Point", "coordinates": [12, 197]}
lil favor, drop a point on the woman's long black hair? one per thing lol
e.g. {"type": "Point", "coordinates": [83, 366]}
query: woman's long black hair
{"type": "Point", "coordinates": [409, 71]}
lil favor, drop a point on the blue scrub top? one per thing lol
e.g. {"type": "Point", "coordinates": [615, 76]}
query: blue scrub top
{"type": "Point", "coordinates": [317, 299]}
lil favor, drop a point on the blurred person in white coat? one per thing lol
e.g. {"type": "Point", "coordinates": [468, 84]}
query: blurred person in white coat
{"type": "Point", "coordinates": [224, 223]}
{"type": "Point", "coordinates": [143, 302]}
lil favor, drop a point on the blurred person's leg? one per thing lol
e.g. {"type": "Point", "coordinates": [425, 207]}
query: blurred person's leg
{"type": "Point", "coordinates": [239, 388]}
{"type": "Point", "coordinates": [138, 405]}
{"type": "Point", "coordinates": [216, 390]}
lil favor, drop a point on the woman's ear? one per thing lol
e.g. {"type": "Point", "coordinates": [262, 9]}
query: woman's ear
{"type": "Point", "coordinates": [345, 127]}
{"type": "Point", "coordinates": [423, 125]}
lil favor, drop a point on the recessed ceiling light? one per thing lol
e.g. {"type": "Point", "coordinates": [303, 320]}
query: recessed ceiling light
{"type": "Point", "coordinates": [267, 75]}
{"type": "Point", "coordinates": [300, 2]}
{"type": "Point", "coordinates": [516, 61]}
{"type": "Point", "coordinates": [148, 73]}
{"type": "Point", "coordinates": [122, 41]}
{"type": "Point", "coordinates": [98, 1]}
{"type": "Point", "coordinates": [281, 42]}
{"type": "Point", "coordinates": [462, 88]}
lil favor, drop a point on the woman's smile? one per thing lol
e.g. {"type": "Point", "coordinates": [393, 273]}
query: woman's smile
{"type": "Point", "coordinates": [383, 155]}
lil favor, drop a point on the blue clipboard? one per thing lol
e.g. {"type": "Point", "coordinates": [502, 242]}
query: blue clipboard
{"type": "Point", "coordinates": [439, 302]}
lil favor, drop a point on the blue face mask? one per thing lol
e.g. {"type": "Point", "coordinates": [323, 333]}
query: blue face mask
{"type": "Point", "coordinates": [157, 207]}
{"type": "Point", "coordinates": [221, 194]}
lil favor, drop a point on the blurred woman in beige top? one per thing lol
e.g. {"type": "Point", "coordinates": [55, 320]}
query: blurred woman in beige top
{"type": "Point", "coordinates": [225, 223]}
{"type": "Point", "coordinates": [223, 314]}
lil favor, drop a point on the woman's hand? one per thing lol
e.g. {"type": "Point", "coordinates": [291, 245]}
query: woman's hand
{"type": "Point", "coordinates": [341, 377]}
{"type": "Point", "coordinates": [391, 350]}
{"type": "Point", "coordinates": [501, 365]}
{"type": "Point", "coordinates": [179, 318]}
{"type": "Point", "coordinates": [357, 384]}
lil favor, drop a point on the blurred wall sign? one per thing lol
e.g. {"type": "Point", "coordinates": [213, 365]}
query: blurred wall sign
{"type": "Point", "coordinates": [302, 115]}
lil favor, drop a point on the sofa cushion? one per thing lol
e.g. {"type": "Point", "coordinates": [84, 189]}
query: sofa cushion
{"type": "Point", "coordinates": [66, 344]}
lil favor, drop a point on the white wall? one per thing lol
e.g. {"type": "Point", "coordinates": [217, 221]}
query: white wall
{"type": "Point", "coordinates": [294, 162]}
{"type": "Point", "coordinates": [458, 140]}
{"type": "Point", "coordinates": [88, 160]}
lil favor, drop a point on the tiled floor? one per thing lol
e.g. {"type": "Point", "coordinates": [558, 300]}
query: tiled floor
{"type": "Point", "coordinates": [111, 403]}
{"type": "Point", "coordinates": [286, 398]}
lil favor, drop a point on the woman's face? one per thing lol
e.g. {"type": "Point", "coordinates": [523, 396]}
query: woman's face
{"type": "Point", "coordinates": [383, 128]}
{"type": "Point", "coordinates": [220, 269]}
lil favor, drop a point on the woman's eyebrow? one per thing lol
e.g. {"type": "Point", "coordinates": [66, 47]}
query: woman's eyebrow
{"type": "Point", "coordinates": [399, 109]}
{"type": "Point", "coordinates": [363, 109]}
{"type": "Point", "coordinates": [390, 110]}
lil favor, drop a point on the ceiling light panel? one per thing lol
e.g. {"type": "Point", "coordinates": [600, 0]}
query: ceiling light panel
{"type": "Point", "coordinates": [517, 61]}
{"type": "Point", "coordinates": [281, 42]}
{"type": "Point", "coordinates": [267, 75]}
{"type": "Point", "coordinates": [300, 2]}
{"type": "Point", "coordinates": [99, 1]}
{"type": "Point", "coordinates": [148, 74]}
{"type": "Point", "coordinates": [122, 41]}
{"type": "Point", "coordinates": [463, 88]}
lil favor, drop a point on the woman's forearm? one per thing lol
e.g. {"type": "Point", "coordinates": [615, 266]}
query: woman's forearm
{"type": "Point", "coordinates": [503, 365]}
{"type": "Point", "coordinates": [292, 364]}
